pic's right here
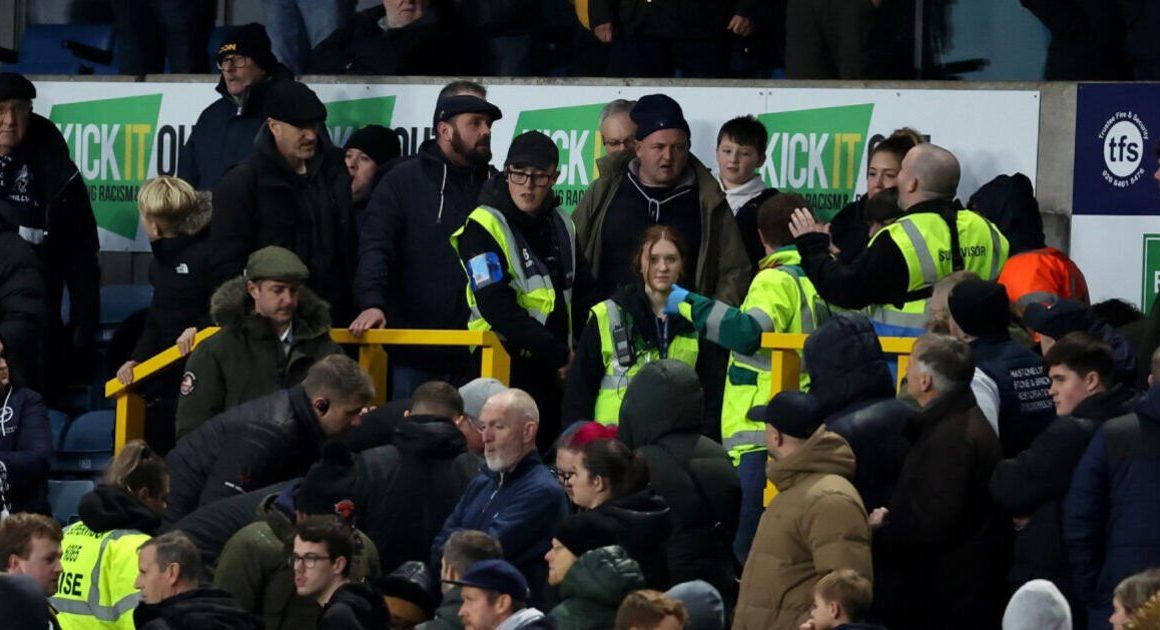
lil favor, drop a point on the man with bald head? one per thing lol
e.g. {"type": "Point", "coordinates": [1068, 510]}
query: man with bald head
{"type": "Point", "coordinates": [516, 500]}
{"type": "Point", "coordinates": [932, 238]}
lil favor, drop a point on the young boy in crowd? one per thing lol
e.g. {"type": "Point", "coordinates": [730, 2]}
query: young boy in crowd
{"type": "Point", "coordinates": [841, 600]}
{"type": "Point", "coordinates": [741, 147]}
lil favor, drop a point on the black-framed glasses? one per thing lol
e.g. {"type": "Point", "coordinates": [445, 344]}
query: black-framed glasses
{"type": "Point", "coordinates": [563, 476]}
{"type": "Point", "coordinates": [520, 178]}
{"type": "Point", "coordinates": [233, 61]}
{"type": "Point", "coordinates": [309, 561]}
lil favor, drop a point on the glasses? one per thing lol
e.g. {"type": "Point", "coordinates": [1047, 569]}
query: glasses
{"type": "Point", "coordinates": [233, 61]}
{"type": "Point", "coordinates": [520, 178]}
{"type": "Point", "coordinates": [563, 476]}
{"type": "Point", "coordinates": [616, 145]}
{"type": "Point", "coordinates": [309, 560]}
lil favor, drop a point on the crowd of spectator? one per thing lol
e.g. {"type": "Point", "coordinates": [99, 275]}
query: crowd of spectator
{"type": "Point", "coordinates": [622, 478]}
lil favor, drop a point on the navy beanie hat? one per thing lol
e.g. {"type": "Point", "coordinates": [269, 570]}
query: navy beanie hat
{"type": "Point", "coordinates": [655, 112]}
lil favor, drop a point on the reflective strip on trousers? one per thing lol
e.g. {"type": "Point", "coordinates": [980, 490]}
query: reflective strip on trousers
{"type": "Point", "coordinates": [744, 438]}
{"type": "Point", "coordinates": [922, 251]}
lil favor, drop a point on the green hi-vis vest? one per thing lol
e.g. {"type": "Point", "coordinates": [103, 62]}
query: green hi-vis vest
{"type": "Point", "coordinates": [96, 588]}
{"type": "Point", "coordinates": [925, 241]}
{"type": "Point", "coordinates": [782, 299]}
{"type": "Point", "coordinates": [531, 279]}
{"type": "Point", "coordinates": [623, 358]}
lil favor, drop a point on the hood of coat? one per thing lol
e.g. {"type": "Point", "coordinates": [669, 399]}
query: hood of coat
{"type": "Point", "coordinates": [207, 608]}
{"type": "Point", "coordinates": [824, 453]}
{"type": "Point", "coordinates": [270, 513]}
{"type": "Point", "coordinates": [109, 507]}
{"type": "Point", "coordinates": [1009, 202]}
{"type": "Point", "coordinates": [366, 604]}
{"type": "Point", "coordinates": [231, 306]}
{"type": "Point", "coordinates": [643, 517]}
{"type": "Point", "coordinates": [605, 576]}
{"type": "Point", "coordinates": [846, 364]}
{"type": "Point", "coordinates": [665, 397]}
{"type": "Point", "coordinates": [429, 437]}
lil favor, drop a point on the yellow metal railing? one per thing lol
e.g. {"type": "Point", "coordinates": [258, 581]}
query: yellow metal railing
{"type": "Point", "coordinates": [494, 363]}
{"type": "Point", "coordinates": [786, 368]}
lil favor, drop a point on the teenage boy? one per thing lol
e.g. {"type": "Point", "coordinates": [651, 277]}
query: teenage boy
{"type": "Point", "coordinates": [323, 549]}
{"type": "Point", "coordinates": [842, 599]}
{"type": "Point", "coordinates": [740, 153]}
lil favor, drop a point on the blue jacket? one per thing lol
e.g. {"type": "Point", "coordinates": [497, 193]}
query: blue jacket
{"type": "Point", "coordinates": [25, 449]}
{"type": "Point", "coordinates": [1110, 513]}
{"type": "Point", "coordinates": [519, 508]}
{"type": "Point", "coordinates": [1025, 407]}
{"type": "Point", "coordinates": [224, 134]}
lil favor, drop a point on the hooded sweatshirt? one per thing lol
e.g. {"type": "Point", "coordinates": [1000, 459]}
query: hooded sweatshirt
{"type": "Point", "coordinates": [661, 419]}
{"type": "Point", "coordinates": [816, 524]}
{"type": "Point", "coordinates": [354, 607]}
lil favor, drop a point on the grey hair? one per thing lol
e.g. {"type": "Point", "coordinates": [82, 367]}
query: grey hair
{"type": "Point", "coordinates": [616, 107]}
{"type": "Point", "coordinates": [517, 403]}
{"type": "Point", "coordinates": [176, 548]}
{"type": "Point", "coordinates": [947, 360]}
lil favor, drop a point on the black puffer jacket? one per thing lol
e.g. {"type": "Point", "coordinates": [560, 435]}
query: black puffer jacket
{"type": "Point", "coordinates": [851, 381]}
{"type": "Point", "coordinates": [22, 301]}
{"type": "Point", "coordinates": [355, 607]}
{"type": "Point", "coordinates": [643, 523]}
{"type": "Point", "coordinates": [255, 444]}
{"type": "Point", "coordinates": [661, 418]}
{"type": "Point", "coordinates": [261, 202]}
{"type": "Point", "coordinates": [224, 133]}
{"type": "Point", "coordinates": [406, 265]}
{"type": "Point", "coordinates": [430, 45]}
{"type": "Point", "coordinates": [211, 526]}
{"type": "Point", "coordinates": [1034, 483]}
{"type": "Point", "coordinates": [199, 609]}
{"type": "Point", "coordinates": [182, 284]}
{"type": "Point", "coordinates": [407, 489]}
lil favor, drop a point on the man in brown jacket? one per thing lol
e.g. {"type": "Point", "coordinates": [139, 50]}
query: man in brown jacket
{"type": "Point", "coordinates": [660, 182]}
{"type": "Point", "coordinates": [816, 524]}
{"type": "Point", "coordinates": [941, 522]}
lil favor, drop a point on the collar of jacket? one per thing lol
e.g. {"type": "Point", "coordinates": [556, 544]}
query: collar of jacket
{"type": "Point", "coordinates": [495, 194]}
{"type": "Point", "coordinates": [526, 465]}
{"type": "Point", "coordinates": [939, 409]}
{"type": "Point", "coordinates": [275, 171]}
{"type": "Point", "coordinates": [305, 418]}
{"type": "Point", "coordinates": [824, 453]}
{"type": "Point", "coordinates": [686, 182]}
{"type": "Point", "coordinates": [271, 514]}
{"type": "Point", "coordinates": [785, 255]}
{"type": "Point", "coordinates": [231, 307]}
{"type": "Point", "coordinates": [937, 206]}
{"type": "Point", "coordinates": [432, 156]}
{"type": "Point", "coordinates": [1106, 405]}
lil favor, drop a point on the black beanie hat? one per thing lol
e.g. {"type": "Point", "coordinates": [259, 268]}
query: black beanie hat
{"type": "Point", "coordinates": [328, 487]}
{"type": "Point", "coordinates": [655, 112]}
{"type": "Point", "coordinates": [380, 143]}
{"type": "Point", "coordinates": [980, 308]}
{"type": "Point", "coordinates": [249, 40]}
{"type": "Point", "coordinates": [583, 532]}
{"type": "Point", "coordinates": [1059, 319]}
{"type": "Point", "coordinates": [294, 103]}
{"type": "Point", "coordinates": [534, 149]}
{"type": "Point", "coordinates": [796, 414]}
{"type": "Point", "coordinates": [16, 85]}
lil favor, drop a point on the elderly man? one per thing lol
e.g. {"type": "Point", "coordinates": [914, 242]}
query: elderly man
{"type": "Point", "coordinates": [167, 575]}
{"type": "Point", "coordinates": [617, 130]}
{"type": "Point", "coordinates": [294, 191]}
{"type": "Point", "coordinates": [906, 258]}
{"type": "Point", "coordinates": [516, 500]}
{"type": "Point", "coordinates": [408, 273]}
{"type": "Point", "coordinates": [660, 183]}
{"type": "Point", "coordinates": [273, 330]}
{"type": "Point", "coordinates": [39, 180]}
{"type": "Point", "coordinates": [941, 520]}
{"type": "Point", "coordinates": [224, 132]}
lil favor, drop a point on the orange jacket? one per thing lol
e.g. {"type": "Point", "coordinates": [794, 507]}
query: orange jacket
{"type": "Point", "coordinates": [1042, 275]}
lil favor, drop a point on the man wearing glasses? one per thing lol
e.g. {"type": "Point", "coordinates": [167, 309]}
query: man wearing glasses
{"type": "Point", "coordinates": [224, 133]}
{"type": "Point", "coordinates": [323, 549]}
{"type": "Point", "coordinates": [519, 252]}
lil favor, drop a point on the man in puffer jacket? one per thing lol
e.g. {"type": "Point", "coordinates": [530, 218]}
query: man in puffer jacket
{"type": "Point", "coordinates": [851, 382]}
{"type": "Point", "coordinates": [592, 574]}
{"type": "Point", "coordinates": [661, 418]}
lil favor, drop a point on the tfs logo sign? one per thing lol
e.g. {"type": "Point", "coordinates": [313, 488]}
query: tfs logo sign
{"type": "Point", "coordinates": [1124, 137]}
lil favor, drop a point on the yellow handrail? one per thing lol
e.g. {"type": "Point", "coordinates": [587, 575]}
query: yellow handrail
{"type": "Point", "coordinates": [494, 363]}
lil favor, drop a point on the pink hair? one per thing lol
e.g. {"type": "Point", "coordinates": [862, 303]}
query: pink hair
{"type": "Point", "coordinates": [577, 438]}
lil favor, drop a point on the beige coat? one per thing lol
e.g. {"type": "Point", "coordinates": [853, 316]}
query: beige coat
{"type": "Point", "coordinates": [816, 524]}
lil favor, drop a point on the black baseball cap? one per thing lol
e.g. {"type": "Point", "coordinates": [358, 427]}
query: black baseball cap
{"type": "Point", "coordinates": [496, 575]}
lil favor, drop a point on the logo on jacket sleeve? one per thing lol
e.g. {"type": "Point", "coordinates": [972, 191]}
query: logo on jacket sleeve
{"type": "Point", "coordinates": [188, 382]}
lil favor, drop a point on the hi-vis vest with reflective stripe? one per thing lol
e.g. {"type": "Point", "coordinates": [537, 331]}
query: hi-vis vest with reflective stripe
{"type": "Point", "coordinates": [617, 376]}
{"type": "Point", "coordinates": [748, 378]}
{"type": "Point", "coordinates": [96, 588]}
{"type": "Point", "coordinates": [531, 279]}
{"type": "Point", "coordinates": [925, 242]}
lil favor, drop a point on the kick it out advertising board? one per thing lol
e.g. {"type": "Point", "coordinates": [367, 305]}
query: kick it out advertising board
{"type": "Point", "coordinates": [1115, 228]}
{"type": "Point", "coordinates": [121, 134]}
